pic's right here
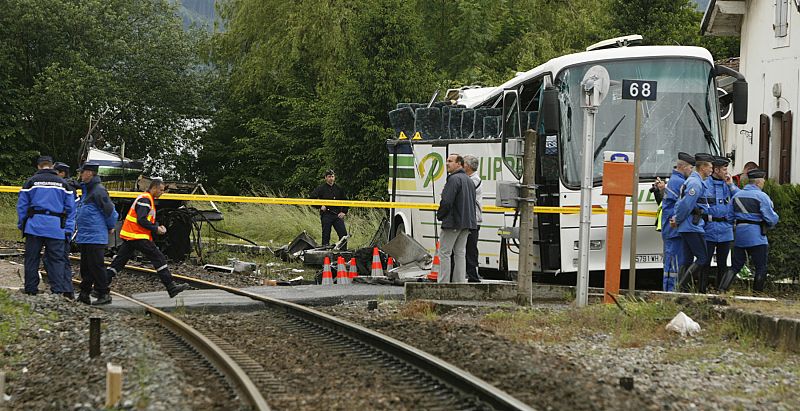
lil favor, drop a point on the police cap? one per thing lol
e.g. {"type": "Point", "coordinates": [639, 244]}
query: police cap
{"type": "Point", "coordinates": [44, 159]}
{"type": "Point", "coordinates": [90, 166]}
{"type": "Point", "coordinates": [756, 174]}
{"type": "Point", "coordinates": [59, 166]}
{"type": "Point", "coordinates": [704, 157]}
{"type": "Point", "coordinates": [720, 161]}
{"type": "Point", "coordinates": [686, 157]}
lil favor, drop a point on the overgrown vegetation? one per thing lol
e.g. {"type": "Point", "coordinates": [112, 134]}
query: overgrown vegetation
{"type": "Point", "coordinates": [783, 239]}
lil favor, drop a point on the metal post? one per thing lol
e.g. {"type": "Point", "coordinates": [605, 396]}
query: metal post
{"type": "Point", "coordinates": [582, 292]}
{"type": "Point", "coordinates": [526, 226]}
{"type": "Point", "coordinates": [94, 336]}
{"type": "Point", "coordinates": [635, 196]}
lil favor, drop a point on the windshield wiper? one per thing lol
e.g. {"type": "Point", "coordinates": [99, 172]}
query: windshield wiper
{"type": "Point", "coordinates": [605, 139]}
{"type": "Point", "coordinates": [706, 132]}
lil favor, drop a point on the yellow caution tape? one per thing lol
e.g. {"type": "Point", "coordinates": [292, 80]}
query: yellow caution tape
{"type": "Point", "coordinates": [342, 203]}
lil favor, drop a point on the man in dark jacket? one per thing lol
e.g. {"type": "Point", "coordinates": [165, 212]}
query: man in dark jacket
{"type": "Point", "coordinates": [457, 214]}
{"type": "Point", "coordinates": [331, 216]}
{"type": "Point", "coordinates": [95, 222]}
{"type": "Point", "coordinates": [62, 169]}
{"type": "Point", "coordinates": [45, 207]}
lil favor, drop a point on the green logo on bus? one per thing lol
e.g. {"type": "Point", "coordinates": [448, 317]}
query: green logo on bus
{"type": "Point", "coordinates": [435, 170]}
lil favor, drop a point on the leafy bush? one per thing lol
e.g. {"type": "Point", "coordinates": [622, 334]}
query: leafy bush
{"type": "Point", "coordinates": [784, 239]}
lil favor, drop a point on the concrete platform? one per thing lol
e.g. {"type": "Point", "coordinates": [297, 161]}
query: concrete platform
{"type": "Point", "coordinates": [222, 301]}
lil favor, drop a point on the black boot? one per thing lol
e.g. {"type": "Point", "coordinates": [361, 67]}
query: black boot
{"type": "Point", "coordinates": [174, 289]}
{"type": "Point", "coordinates": [682, 277]}
{"type": "Point", "coordinates": [83, 297]}
{"type": "Point", "coordinates": [103, 299]}
{"type": "Point", "coordinates": [727, 280]}
{"type": "Point", "coordinates": [689, 275]}
{"type": "Point", "coordinates": [69, 296]}
{"type": "Point", "coordinates": [703, 273]}
{"type": "Point", "coordinates": [759, 282]}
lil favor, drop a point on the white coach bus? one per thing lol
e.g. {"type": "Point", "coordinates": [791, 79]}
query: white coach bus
{"type": "Point", "coordinates": [486, 122]}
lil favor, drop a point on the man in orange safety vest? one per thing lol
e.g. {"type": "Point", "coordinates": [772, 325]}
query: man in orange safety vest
{"type": "Point", "coordinates": [137, 234]}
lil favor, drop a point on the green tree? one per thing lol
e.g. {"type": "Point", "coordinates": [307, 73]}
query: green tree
{"type": "Point", "coordinates": [67, 61]}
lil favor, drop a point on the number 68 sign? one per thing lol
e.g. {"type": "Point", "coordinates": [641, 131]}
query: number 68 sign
{"type": "Point", "coordinates": [638, 90]}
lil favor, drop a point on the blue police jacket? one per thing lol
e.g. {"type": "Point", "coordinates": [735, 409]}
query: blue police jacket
{"type": "Point", "coordinates": [691, 194]}
{"type": "Point", "coordinates": [74, 187]}
{"type": "Point", "coordinates": [750, 204]}
{"type": "Point", "coordinates": [46, 205]}
{"type": "Point", "coordinates": [719, 228]}
{"type": "Point", "coordinates": [671, 196]}
{"type": "Point", "coordinates": [96, 214]}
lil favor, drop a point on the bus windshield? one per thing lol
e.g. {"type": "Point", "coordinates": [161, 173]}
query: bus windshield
{"type": "Point", "coordinates": [683, 118]}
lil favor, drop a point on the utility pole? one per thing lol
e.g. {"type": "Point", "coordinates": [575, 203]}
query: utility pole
{"type": "Point", "coordinates": [526, 227]}
{"type": "Point", "coordinates": [594, 88]}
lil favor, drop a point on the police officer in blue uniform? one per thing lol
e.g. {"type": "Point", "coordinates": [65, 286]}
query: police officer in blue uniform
{"type": "Point", "coordinates": [62, 169]}
{"type": "Point", "coordinates": [690, 215]}
{"type": "Point", "coordinates": [46, 206]}
{"type": "Point", "coordinates": [95, 221]}
{"type": "Point", "coordinates": [673, 248]}
{"type": "Point", "coordinates": [719, 225]}
{"type": "Point", "coordinates": [753, 214]}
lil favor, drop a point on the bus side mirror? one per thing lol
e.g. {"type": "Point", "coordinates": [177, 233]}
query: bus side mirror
{"type": "Point", "coordinates": [740, 102]}
{"type": "Point", "coordinates": [549, 111]}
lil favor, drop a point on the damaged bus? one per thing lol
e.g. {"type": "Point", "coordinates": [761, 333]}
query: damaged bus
{"type": "Point", "coordinates": [489, 123]}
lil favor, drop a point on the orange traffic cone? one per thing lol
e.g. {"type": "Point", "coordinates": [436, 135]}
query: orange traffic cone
{"type": "Point", "coordinates": [434, 275]}
{"type": "Point", "coordinates": [353, 272]}
{"type": "Point", "coordinates": [377, 267]}
{"type": "Point", "coordinates": [390, 264]}
{"type": "Point", "coordinates": [341, 272]}
{"type": "Point", "coordinates": [327, 275]}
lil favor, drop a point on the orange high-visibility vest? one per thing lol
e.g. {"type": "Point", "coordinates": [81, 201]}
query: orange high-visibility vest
{"type": "Point", "coordinates": [131, 230]}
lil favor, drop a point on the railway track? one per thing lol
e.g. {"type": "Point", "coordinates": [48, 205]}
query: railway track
{"type": "Point", "coordinates": [403, 370]}
{"type": "Point", "coordinates": [446, 386]}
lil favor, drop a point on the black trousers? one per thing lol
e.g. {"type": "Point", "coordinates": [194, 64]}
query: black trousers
{"type": "Point", "coordinates": [149, 250]}
{"type": "Point", "coordinates": [722, 249]}
{"type": "Point", "coordinates": [332, 220]}
{"type": "Point", "coordinates": [93, 268]}
{"type": "Point", "coordinates": [472, 255]}
{"type": "Point", "coordinates": [758, 255]}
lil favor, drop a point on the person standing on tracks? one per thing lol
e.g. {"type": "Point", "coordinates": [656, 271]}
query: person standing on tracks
{"type": "Point", "coordinates": [95, 222]}
{"type": "Point", "coordinates": [753, 214]}
{"type": "Point", "coordinates": [137, 235]}
{"type": "Point", "coordinates": [673, 248]}
{"type": "Point", "coordinates": [471, 165]}
{"type": "Point", "coordinates": [719, 227]}
{"type": "Point", "coordinates": [45, 207]}
{"type": "Point", "coordinates": [331, 216]}
{"type": "Point", "coordinates": [458, 216]}
{"type": "Point", "coordinates": [62, 169]}
{"type": "Point", "coordinates": [691, 214]}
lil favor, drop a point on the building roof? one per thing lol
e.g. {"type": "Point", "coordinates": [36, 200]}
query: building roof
{"type": "Point", "coordinates": [723, 18]}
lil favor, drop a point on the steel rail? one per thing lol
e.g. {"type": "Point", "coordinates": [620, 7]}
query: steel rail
{"type": "Point", "coordinates": [449, 374]}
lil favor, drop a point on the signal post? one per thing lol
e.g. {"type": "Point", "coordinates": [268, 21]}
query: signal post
{"type": "Point", "coordinates": [617, 184]}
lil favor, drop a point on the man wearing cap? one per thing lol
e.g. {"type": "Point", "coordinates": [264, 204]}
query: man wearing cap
{"type": "Point", "coordinates": [741, 178]}
{"type": "Point", "coordinates": [673, 247]}
{"type": "Point", "coordinates": [62, 170]}
{"type": "Point", "coordinates": [719, 224]}
{"type": "Point", "coordinates": [331, 216]}
{"type": "Point", "coordinates": [46, 206]}
{"type": "Point", "coordinates": [95, 221]}
{"type": "Point", "coordinates": [753, 214]}
{"type": "Point", "coordinates": [690, 216]}
{"type": "Point", "coordinates": [137, 233]}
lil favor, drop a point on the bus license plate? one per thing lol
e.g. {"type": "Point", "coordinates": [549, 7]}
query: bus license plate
{"type": "Point", "coordinates": [649, 258]}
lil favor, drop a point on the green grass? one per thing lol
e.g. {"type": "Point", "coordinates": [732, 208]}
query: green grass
{"type": "Point", "coordinates": [276, 225]}
{"type": "Point", "coordinates": [8, 217]}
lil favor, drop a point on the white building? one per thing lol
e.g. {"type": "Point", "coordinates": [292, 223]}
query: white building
{"type": "Point", "coordinates": [770, 60]}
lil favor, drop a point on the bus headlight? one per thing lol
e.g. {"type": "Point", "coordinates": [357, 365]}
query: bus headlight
{"type": "Point", "coordinates": [594, 245]}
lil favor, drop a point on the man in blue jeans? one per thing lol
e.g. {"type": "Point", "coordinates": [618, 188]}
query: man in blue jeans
{"type": "Point", "coordinates": [457, 214]}
{"type": "Point", "coordinates": [46, 206]}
